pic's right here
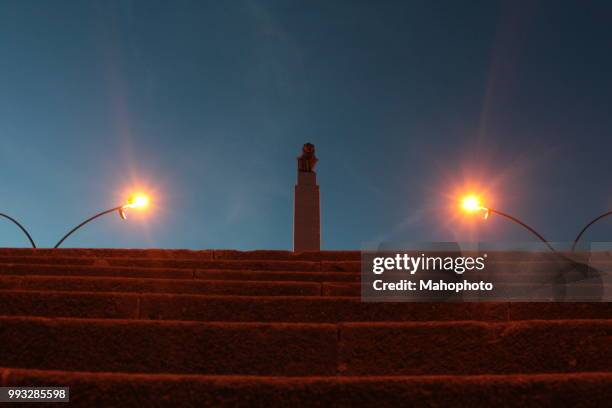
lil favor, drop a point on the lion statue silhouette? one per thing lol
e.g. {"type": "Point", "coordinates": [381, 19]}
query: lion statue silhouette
{"type": "Point", "coordinates": [307, 161]}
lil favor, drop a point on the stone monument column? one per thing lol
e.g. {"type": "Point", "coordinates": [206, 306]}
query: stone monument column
{"type": "Point", "coordinates": [306, 209]}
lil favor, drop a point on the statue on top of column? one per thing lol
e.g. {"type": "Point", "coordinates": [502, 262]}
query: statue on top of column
{"type": "Point", "coordinates": [307, 161]}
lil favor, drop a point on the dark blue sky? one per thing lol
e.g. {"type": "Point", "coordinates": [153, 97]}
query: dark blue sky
{"type": "Point", "coordinates": [208, 103]}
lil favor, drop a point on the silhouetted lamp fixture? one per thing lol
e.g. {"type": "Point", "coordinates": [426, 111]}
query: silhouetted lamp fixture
{"type": "Point", "coordinates": [472, 204]}
{"type": "Point", "coordinates": [134, 201]}
{"type": "Point", "coordinates": [577, 270]}
{"type": "Point", "coordinates": [20, 227]}
{"type": "Point", "coordinates": [604, 215]}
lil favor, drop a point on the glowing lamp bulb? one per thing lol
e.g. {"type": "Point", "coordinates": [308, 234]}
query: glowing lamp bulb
{"type": "Point", "coordinates": [137, 201]}
{"type": "Point", "coordinates": [471, 204]}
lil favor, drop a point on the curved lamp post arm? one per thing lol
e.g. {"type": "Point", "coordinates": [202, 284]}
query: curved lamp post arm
{"type": "Point", "coordinates": [86, 221]}
{"type": "Point", "coordinates": [521, 223]}
{"type": "Point", "coordinates": [534, 232]}
{"type": "Point", "coordinates": [604, 215]}
{"type": "Point", "coordinates": [20, 227]}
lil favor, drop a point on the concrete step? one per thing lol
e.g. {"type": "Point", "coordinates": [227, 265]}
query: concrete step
{"type": "Point", "coordinates": [231, 308]}
{"type": "Point", "coordinates": [174, 273]}
{"type": "Point", "coordinates": [91, 270]}
{"type": "Point", "coordinates": [239, 264]}
{"type": "Point", "coordinates": [281, 349]}
{"type": "Point", "coordinates": [94, 253]}
{"type": "Point", "coordinates": [171, 347]}
{"type": "Point", "coordinates": [152, 306]}
{"type": "Point", "coordinates": [156, 390]}
{"type": "Point", "coordinates": [237, 274]}
{"type": "Point", "coordinates": [193, 286]}
{"type": "Point", "coordinates": [346, 309]}
{"type": "Point", "coordinates": [494, 270]}
{"type": "Point", "coordinates": [209, 254]}
{"type": "Point", "coordinates": [475, 347]}
{"type": "Point", "coordinates": [143, 285]}
{"type": "Point", "coordinates": [277, 275]}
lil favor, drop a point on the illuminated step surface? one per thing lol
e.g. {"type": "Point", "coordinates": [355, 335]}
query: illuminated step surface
{"type": "Point", "coordinates": [175, 273]}
{"type": "Point", "coordinates": [146, 390]}
{"type": "Point", "coordinates": [144, 285]}
{"type": "Point", "coordinates": [297, 349]}
{"type": "Point", "coordinates": [201, 286]}
{"type": "Point", "coordinates": [320, 309]}
{"type": "Point", "coordinates": [274, 328]}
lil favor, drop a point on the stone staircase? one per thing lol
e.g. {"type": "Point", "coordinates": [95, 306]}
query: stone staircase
{"type": "Point", "coordinates": [274, 328]}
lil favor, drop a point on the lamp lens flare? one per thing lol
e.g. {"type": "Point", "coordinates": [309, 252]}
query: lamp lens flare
{"type": "Point", "coordinates": [471, 203]}
{"type": "Point", "coordinates": [137, 201]}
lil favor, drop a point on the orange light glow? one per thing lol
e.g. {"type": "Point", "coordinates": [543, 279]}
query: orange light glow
{"type": "Point", "coordinates": [137, 201]}
{"type": "Point", "coordinates": [471, 203]}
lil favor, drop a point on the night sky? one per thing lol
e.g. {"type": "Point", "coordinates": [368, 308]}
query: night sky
{"type": "Point", "coordinates": [206, 104]}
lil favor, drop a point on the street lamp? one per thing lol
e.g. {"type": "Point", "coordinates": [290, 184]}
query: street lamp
{"type": "Point", "coordinates": [577, 271]}
{"type": "Point", "coordinates": [20, 227]}
{"type": "Point", "coordinates": [604, 215]}
{"type": "Point", "coordinates": [472, 204]}
{"type": "Point", "coordinates": [134, 201]}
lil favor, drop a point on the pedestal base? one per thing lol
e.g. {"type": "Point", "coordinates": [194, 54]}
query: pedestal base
{"type": "Point", "coordinates": [306, 215]}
